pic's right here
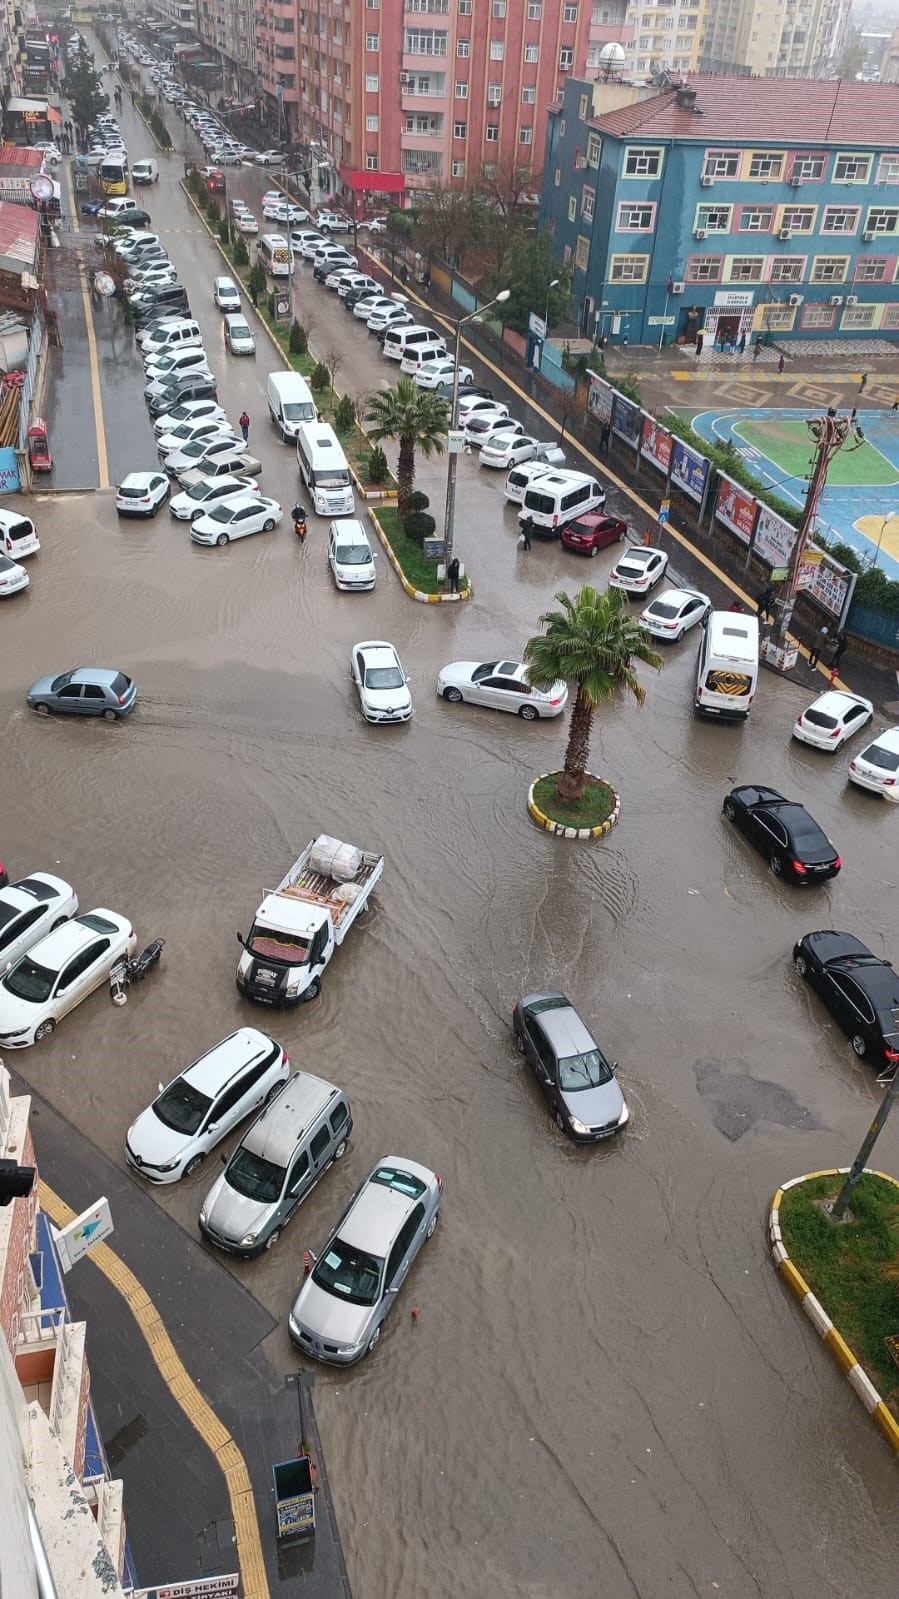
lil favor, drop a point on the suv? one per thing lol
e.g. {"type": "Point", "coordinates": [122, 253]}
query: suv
{"type": "Point", "coordinates": [276, 1164]}
{"type": "Point", "coordinates": [169, 299]}
{"type": "Point", "coordinates": [192, 386]}
{"type": "Point", "coordinates": [592, 532]}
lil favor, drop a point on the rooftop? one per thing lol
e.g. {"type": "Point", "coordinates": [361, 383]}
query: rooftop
{"type": "Point", "coordinates": [790, 110]}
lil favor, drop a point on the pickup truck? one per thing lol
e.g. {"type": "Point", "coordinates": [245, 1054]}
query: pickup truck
{"type": "Point", "coordinates": [297, 928]}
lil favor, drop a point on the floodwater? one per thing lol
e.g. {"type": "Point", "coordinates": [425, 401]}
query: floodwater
{"type": "Point", "coordinates": [607, 1390]}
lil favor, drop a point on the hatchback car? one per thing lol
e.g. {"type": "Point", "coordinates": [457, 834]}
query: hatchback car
{"type": "Point", "coordinates": [592, 532]}
{"type": "Point", "coordinates": [200, 1106]}
{"type": "Point", "coordinates": [226, 294]}
{"type": "Point", "coordinates": [141, 493]}
{"type": "Point", "coordinates": [674, 612]}
{"type": "Point", "coordinates": [877, 767]}
{"type": "Point", "coordinates": [639, 570]}
{"type": "Point", "coordinates": [86, 691]}
{"type": "Point", "coordinates": [13, 577]}
{"type": "Point", "coordinates": [239, 336]}
{"type": "Point", "coordinates": [492, 427]}
{"type": "Point", "coordinates": [190, 386]}
{"type": "Point", "coordinates": [58, 973]}
{"type": "Point", "coordinates": [432, 373]}
{"type": "Point", "coordinates": [29, 909]}
{"type": "Point", "coordinates": [832, 719]}
{"type": "Point", "coordinates": [796, 847]}
{"type": "Point", "coordinates": [579, 1082]}
{"type": "Point", "coordinates": [502, 685]}
{"type": "Point", "coordinates": [503, 451]}
{"type": "Point", "coordinates": [350, 555]}
{"type": "Point", "coordinates": [858, 988]}
{"type": "Point", "coordinates": [341, 1307]}
{"type": "Point", "coordinates": [235, 518]}
{"type": "Point", "coordinates": [381, 683]}
{"type": "Point", "coordinates": [201, 496]}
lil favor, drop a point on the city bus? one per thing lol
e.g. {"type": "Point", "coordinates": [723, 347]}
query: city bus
{"type": "Point", "coordinates": [273, 251]}
{"type": "Point", "coordinates": [113, 174]}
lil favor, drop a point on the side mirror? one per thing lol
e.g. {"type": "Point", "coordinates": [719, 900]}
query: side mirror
{"type": "Point", "coordinates": [223, 1158]}
{"type": "Point", "coordinates": [614, 1065]}
{"type": "Point", "coordinates": [240, 941]}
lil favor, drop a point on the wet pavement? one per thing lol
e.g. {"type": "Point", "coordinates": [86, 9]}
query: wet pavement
{"type": "Point", "coordinates": [606, 1388]}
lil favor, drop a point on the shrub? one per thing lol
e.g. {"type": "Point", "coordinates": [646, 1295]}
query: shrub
{"type": "Point", "coordinates": [376, 469]}
{"type": "Point", "coordinates": [321, 377]}
{"type": "Point", "coordinates": [257, 278]}
{"type": "Point", "coordinates": [417, 501]}
{"type": "Point", "coordinates": [241, 254]}
{"type": "Point", "coordinates": [419, 526]}
{"type": "Point", "coordinates": [222, 230]}
{"type": "Point", "coordinates": [345, 415]}
{"type": "Point", "coordinates": [212, 209]}
{"type": "Point", "coordinates": [270, 304]}
{"type": "Point", "coordinates": [295, 343]}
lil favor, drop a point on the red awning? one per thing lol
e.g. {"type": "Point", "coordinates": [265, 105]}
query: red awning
{"type": "Point", "coordinates": [372, 182]}
{"type": "Point", "coordinates": [53, 115]}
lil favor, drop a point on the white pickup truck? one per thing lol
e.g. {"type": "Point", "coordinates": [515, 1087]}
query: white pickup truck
{"type": "Point", "coordinates": [299, 925]}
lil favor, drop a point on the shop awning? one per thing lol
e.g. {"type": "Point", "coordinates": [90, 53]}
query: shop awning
{"type": "Point", "coordinates": [18, 238]}
{"type": "Point", "coordinates": [19, 106]}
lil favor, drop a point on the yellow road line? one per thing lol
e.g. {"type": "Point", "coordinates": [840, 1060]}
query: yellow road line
{"type": "Point", "coordinates": [186, 1395]}
{"type": "Point", "coordinates": [96, 396]}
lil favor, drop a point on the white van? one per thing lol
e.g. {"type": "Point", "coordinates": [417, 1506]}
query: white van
{"type": "Point", "coordinates": [350, 555]}
{"type": "Point", "coordinates": [417, 354]}
{"type": "Point", "coordinates": [520, 479]}
{"type": "Point", "coordinates": [324, 469]}
{"type": "Point", "coordinates": [290, 403]}
{"type": "Point", "coordinates": [558, 497]}
{"type": "Point", "coordinates": [728, 668]}
{"type": "Point", "coordinates": [173, 336]}
{"type": "Point", "coordinates": [273, 252]}
{"type": "Point", "coordinates": [145, 171]}
{"type": "Point", "coordinates": [17, 535]}
{"type": "Point", "coordinates": [399, 341]}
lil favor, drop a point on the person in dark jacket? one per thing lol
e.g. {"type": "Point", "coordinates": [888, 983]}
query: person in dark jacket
{"type": "Point", "coordinates": [818, 644]}
{"type": "Point", "coordinates": [764, 604]}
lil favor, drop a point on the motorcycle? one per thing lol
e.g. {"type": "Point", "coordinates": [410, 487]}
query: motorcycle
{"type": "Point", "coordinates": [126, 972]}
{"type": "Point", "coordinates": [299, 522]}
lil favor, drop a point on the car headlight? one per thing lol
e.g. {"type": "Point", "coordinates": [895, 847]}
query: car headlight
{"type": "Point", "coordinates": [202, 1215]}
{"type": "Point", "coordinates": [624, 1118]}
{"type": "Point", "coordinates": [576, 1126]}
{"type": "Point", "coordinates": [248, 1239]}
{"type": "Point", "coordinates": [169, 1165]}
{"type": "Point", "coordinates": [292, 989]}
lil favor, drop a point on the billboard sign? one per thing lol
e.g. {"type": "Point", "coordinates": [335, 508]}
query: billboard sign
{"type": "Point", "coordinates": [655, 444]}
{"type": "Point", "coordinates": [627, 418]}
{"type": "Point", "coordinates": [736, 508]}
{"type": "Point", "coordinates": [689, 470]}
{"type": "Point", "coordinates": [775, 539]}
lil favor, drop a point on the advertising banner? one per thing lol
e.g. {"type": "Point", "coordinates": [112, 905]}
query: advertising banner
{"type": "Point", "coordinates": [627, 419]}
{"type": "Point", "coordinates": [830, 583]}
{"type": "Point", "coordinates": [774, 538]}
{"type": "Point", "coordinates": [9, 472]}
{"type": "Point", "coordinates": [599, 398]}
{"type": "Point", "coordinates": [689, 471]}
{"type": "Point", "coordinates": [655, 444]}
{"type": "Point", "coordinates": [736, 508]}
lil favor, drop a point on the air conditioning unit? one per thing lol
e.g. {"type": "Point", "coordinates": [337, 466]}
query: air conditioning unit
{"type": "Point", "coordinates": [706, 181]}
{"type": "Point", "coordinates": [785, 234]}
{"type": "Point", "coordinates": [677, 288]}
{"type": "Point", "coordinates": [700, 233]}
{"type": "Point", "coordinates": [835, 299]}
{"type": "Point", "coordinates": [869, 237]}
{"type": "Point", "coordinates": [796, 299]}
{"type": "Point", "coordinates": [405, 79]}
{"type": "Point", "coordinates": [796, 181]}
{"type": "Point", "coordinates": [852, 299]}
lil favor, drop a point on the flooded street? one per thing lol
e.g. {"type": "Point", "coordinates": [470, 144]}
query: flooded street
{"type": "Point", "coordinates": [607, 1390]}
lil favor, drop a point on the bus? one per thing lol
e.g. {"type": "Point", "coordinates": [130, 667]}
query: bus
{"type": "Point", "coordinates": [113, 174]}
{"type": "Point", "coordinates": [273, 251]}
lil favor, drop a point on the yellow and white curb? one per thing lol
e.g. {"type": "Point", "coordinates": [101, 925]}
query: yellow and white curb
{"type": "Point", "coordinates": [817, 1315]}
{"type": "Point", "coordinates": [414, 593]}
{"type": "Point", "coordinates": [558, 828]}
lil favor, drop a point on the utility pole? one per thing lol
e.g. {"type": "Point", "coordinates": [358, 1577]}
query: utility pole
{"type": "Point", "coordinates": [830, 433]}
{"type": "Point", "coordinates": [837, 1209]}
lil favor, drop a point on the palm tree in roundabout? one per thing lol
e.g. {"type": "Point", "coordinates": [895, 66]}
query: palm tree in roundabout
{"type": "Point", "coordinates": [418, 419]}
{"type": "Point", "coordinates": [594, 642]}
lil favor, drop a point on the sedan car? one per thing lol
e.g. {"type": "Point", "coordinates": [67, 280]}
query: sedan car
{"type": "Point", "coordinates": [188, 432]}
{"type": "Point", "coordinates": [141, 493]}
{"type": "Point", "coordinates": [432, 373]}
{"type": "Point", "coordinates": [579, 1083]}
{"type": "Point", "coordinates": [13, 577]}
{"type": "Point", "coordinates": [239, 336]}
{"type": "Point", "coordinates": [204, 494]}
{"type": "Point", "coordinates": [505, 452]}
{"type": "Point", "coordinates": [674, 612]}
{"type": "Point", "coordinates": [186, 456]}
{"type": "Point", "coordinates": [340, 1309]}
{"type": "Point", "coordinates": [226, 294]}
{"type": "Point", "coordinates": [246, 222]}
{"type": "Point", "coordinates": [193, 386]}
{"type": "Point", "coordinates": [639, 569]}
{"type": "Point", "coordinates": [58, 973]}
{"type": "Point", "coordinates": [381, 683]}
{"type": "Point", "coordinates": [29, 909]}
{"type": "Point", "coordinates": [492, 425]}
{"type": "Point", "coordinates": [200, 1106]}
{"type": "Point", "coordinates": [190, 411]}
{"type": "Point", "coordinates": [375, 301]}
{"type": "Point", "coordinates": [84, 691]}
{"type": "Point", "coordinates": [474, 404]}
{"type": "Point", "coordinates": [859, 989]}
{"type": "Point", "coordinates": [503, 685]}
{"type": "Point", "coordinates": [783, 831]}
{"type": "Point", "coordinates": [831, 719]}
{"type": "Point", "coordinates": [592, 532]}
{"type": "Point", "coordinates": [270, 158]}
{"type": "Point", "coordinates": [877, 767]}
{"type": "Point", "coordinates": [221, 459]}
{"type": "Point", "coordinates": [235, 517]}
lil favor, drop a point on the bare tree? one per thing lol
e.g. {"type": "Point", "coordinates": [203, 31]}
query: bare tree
{"type": "Point", "coordinates": [334, 362]}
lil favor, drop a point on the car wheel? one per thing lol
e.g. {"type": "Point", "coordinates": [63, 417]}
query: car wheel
{"type": "Point", "coordinates": [272, 1238]}
{"type": "Point", "coordinates": [730, 810]}
{"type": "Point", "coordinates": [373, 1340]}
{"type": "Point", "coordinates": [273, 1091]}
{"type": "Point", "coordinates": [340, 1151]}
{"type": "Point", "coordinates": [314, 989]}
{"type": "Point", "coordinates": [594, 551]}
{"type": "Point", "coordinates": [44, 1029]}
{"type": "Point", "coordinates": [432, 1225]}
{"type": "Point", "coordinates": [453, 695]}
{"type": "Point", "coordinates": [679, 636]}
{"type": "Point", "coordinates": [193, 1165]}
{"type": "Point", "coordinates": [42, 709]}
{"type": "Point", "coordinates": [518, 1041]}
{"type": "Point", "coordinates": [528, 713]}
{"type": "Point", "coordinates": [777, 865]}
{"type": "Point", "coordinates": [267, 526]}
{"type": "Point", "coordinates": [60, 922]}
{"type": "Point", "coordinates": [110, 715]}
{"type": "Point", "coordinates": [858, 1044]}
{"type": "Point", "coordinates": [560, 1122]}
{"type": "Point", "coordinates": [801, 965]}
{"type": "Point", "coordinates": [222, 540]}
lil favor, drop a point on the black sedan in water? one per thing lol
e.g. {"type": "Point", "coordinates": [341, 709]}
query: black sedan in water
{"type": "Point", "coordinates": [783, 832]}
{"type": "Point", "coordinates": [858, 988]}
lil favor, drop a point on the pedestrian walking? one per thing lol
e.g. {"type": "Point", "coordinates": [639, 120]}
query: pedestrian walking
{"type": "Point", "coordinates": [781, 363]}
{"type": "Point", "coordinates": [895, 404]}
{"type": "Point", "coordinates": [254, 293]}
{"type": "Point", "coordinates": [757, 350]}
{"type": "Point", "coordinates": [426, 280]}
{"type": "Point", "coordinates": [452, 573]}
{"type": "Point", "coordinates": [839, 650]}
{"type": "Point", "coordinates": [764, 603]}
{"type": "Point", "coordinates": [243, 422]}
{"type": "Point", "coordinates": [818, 644]}
{"type": "Point", "coordinates": [527, 527]}
{"type": "Point", "coordinates": [742, 344]}
{"type": "Point", "coordinates": [862, 386]}
{"type": "Point", "coordinates": [605, 436]}
{"type": "Point", "coordinates": [404, 274]}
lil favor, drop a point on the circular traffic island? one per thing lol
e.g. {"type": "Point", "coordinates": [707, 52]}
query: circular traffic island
{"type": "Point", "coordinates": [591, 817]}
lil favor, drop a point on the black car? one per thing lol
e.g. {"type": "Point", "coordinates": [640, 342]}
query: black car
{"type": "Point", "coordinates": [324, 269]}
{"type": "Point", "coordinates": [444, 391]}
{"type": "Point", "coordinates": [187, 388]}
{"type": "Point", "coordinates": [858, 988]}
{"type": "Point", "coordinates": [784, 832]}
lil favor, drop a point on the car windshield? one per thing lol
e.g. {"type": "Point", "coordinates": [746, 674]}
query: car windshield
{"type": "Point", "coordinates": [29, 981]}
{"type": "Point", "coordinates": [286, 948]}
{"type": "Point", "coordinates": [583, 1071]}
{"type": "Point", "coordinates": [480, 672]}
{"type": "Point", "coordinates": [383, 677]}
{"type": "Point", "coordinates": [819, 719]}
{"type": "Point", "coordinates": [60, 682]}
{"type": "Point", "coordinates": [254, 1177]}
{"type": "Point", "coordinates": [879, 755]}
{"type": "Point", "coordinates": [349, 1273]}
{"type": "Point", "coordinates": [222, 513]}
{"type": "Point", "coordinates": [199, 491]}
{"type": "Point", "coordinates": [181, 1106]}
{"type": "Point", "coordinates": [354, 554]}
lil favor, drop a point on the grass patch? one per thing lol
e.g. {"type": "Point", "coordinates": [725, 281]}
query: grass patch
{"type": "Point", "coordinates": [853, 1269]}
{"type": "Point", "coordinates": [790, 448]}
{"type": "Point", "coordinates": [420, 573]}
{"type": "Point", "coordinates": [595, 808]}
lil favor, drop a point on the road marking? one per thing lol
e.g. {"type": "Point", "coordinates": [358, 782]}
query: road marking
{"type": "Point", "coordinates": [187, 1396]}
{"type": "Point", "coordinates": [96, 395]}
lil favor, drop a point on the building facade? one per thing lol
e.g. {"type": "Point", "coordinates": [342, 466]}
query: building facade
{"type": "Point", "coordinates": [731, 207]}
{"type": "Point", "coordinates": [665, 37]}
{"type": "Point", "coordinates": [773, 39]}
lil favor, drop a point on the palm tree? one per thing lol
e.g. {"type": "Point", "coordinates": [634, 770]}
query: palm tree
{"type": "Point", "coordinates": [417, 419]}
{"type": "Point", "coordinates": [593, 641]}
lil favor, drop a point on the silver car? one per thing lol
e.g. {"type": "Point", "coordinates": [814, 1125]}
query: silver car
{"type": "Point", "coordinates": [580, 1084]}
{"type": "Point", "coordinates": [339, 1311]}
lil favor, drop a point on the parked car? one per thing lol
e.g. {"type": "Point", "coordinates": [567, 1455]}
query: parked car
{"type": "Point", "coordinates": [84, 691]}
{"type": "Point", "coordinates": [639, 569]}
{"type": "Point", "coordinates": [29, 909]}
{"type": "Point", "coordinates": [782, 830]}
{"type": "Point", "coordinates": [374, 300]}
{"type": "Point", "coordinates": [207, 492]}
{"type": "Point", "coordinates": [859, 989]}
{"type": "Point", "coordinates": [246, 223]}
{"type": "Point", "coordinates": [216, 462]}
{"type": "Point", "coordinates": [339, 1311]}
{"type": "Point", "coordinates": [189, 411]}
{"type": "Point", "coordinates": [580, 1085]}
{"type": "Point", "coordinates": [59, 972]}
{"type": "Point", "coordinates": [674, 612]}
{"type": "Point", "coordinates": [13, 577]}
{"type": "Point", "coordinates": [877, 767]}
{"type": "Point", "coordinates": [501, 685]}
{"type": "Point", "coordinates": [832, 719]}
{"type": "Point", "coordinates": [141, 493]}
{"type": "Point", "coordinates": [192, 386]}
{"type": "Point", "coordinates": [492, 425]}
{"type": "Point", "coordinates": [432, 373]}
{"type": "Point", "coordinates": [235, 518]}
{"type": "Point", "coordinates": [187, 456]}
{"type": "Point", "coordinates": [592, 532]}
{"type": "Point", "coordinates": [200, 1106]}
{"type": "Point", "coordinates": [188, 432]}
{"type": "Point", "coordinates": [270, 158]}
{"type": "Point", "coordinates": [503, 449]}
{"type": "Point", "coordinates": [381, 683]}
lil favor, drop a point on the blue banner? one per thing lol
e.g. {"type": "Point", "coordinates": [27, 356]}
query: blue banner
{"type": "Point", "coordinates": [9, 472]}
{"type": "Point", "coordinates": [689, 471]}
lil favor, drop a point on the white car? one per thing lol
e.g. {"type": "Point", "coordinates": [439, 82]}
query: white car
{"type": "Point", "coordinates": [674, 612]}
{"type": "Point", "coordinates": [186, 432]}
{"type": "Point", "coordinates": [355, 280]}
{"type": "Point", "coordinates": [337, 277]}
{"type": "Point", "coordinates": [226, 294]}
{"type": "Point", "coordinates": [58, 973]}
{"type": "Point", "coordinates": [306, 242]}
{"type": "Point", "coordinates": [369, 304]}
{"type": "Point", "coordinates": [432, 373]}
{"type": "Point", "coordinates": [50, 153]}
{"type": "Point", "coordinates": [203, 1103]}
{"type": "Point", "coordinates": [520, 479]}
{"type": "Point", "coordinates": [492, 425]}
{"type": "Point", "coordinates": [29, 909]}
{"type": "Point", "coordinates": [153, 276]}
{"type": "Point", "coordinates": [246, 222]}
{"type": "Point", "coordinates": [239, 336]}
{"type": "Point", "coordinates": [205, 493]}
{"type": "Point", "coordinates": [13, 577]}
{"type": "Point", "coordinates": [187, 456]}
{"type": "Point", "coordinates": [476, 405]}
{"type": "Point", "coordinates": [505, 452]}
{"type": "Point", "coordinates": [189, 411]}
{"type": "Point", "coordinates": [639, 570]}
{"type": "Point", "coordinates": [381, 683]}
{"type": "Point", "coordinates": [832, 719]}
{"type": "Point", "coordinates": [503, 685]}
{"type": "Point", "coordinates": [141, 493]}
{"type": "Point", "coordinates": [270, 158]}
{"type": "Point", "coordinates": [877, 768]}
{"type": "Point", "coordinates": [235, 518]}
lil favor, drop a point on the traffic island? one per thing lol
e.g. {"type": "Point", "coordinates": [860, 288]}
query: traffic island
{"type": "Point", "coordinates": [592, 817]}
{"type": "Point", "coordinates": [420, 578]}
{"type": "Point", "coordinates": [845, 1275]}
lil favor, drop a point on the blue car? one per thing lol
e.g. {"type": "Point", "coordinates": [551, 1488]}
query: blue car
{"type": "Point", "coordinates": [92, 207]}
{"type": "Point", "coordinates": [86, 691]}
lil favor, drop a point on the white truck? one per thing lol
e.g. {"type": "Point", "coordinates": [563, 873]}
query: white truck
{"type": "Point", "coordinates": [300, 923]}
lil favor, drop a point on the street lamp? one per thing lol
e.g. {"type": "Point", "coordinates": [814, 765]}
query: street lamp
{"type": "Point", "coordinates": [554, 285]}
{"type": "Point", "coordinates": [889, 518]}
{"type": "Point", "coordinates": [450, 513]}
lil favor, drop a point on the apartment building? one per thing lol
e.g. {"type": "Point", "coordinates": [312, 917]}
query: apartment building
{"type": "Point", "coordinates": [665, 35]}
{"type": "Point", "coordinates": [774, 38]}
{"type": "Point", "coordinates": [12, 37]}
{"type": "Point", "coordinates": [228, 27]}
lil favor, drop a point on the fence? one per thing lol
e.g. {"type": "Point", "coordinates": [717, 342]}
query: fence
{"type": "Point", "coordinates": [35, 346]}
{"type": "Point", "coordinates": [880, 627]}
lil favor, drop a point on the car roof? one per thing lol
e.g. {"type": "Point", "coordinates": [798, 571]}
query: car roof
{"type": "Point", "coordinates": [211, 1071]}
{"type": "Point", "coordinates": [377, 651]}
{"type": "Point", "coordinates": [224, 282]}
{"type": "Point", "coordinates": [888, 739]}
{"type": "Point", "coordinates": [350, 531]}
{"type": "Point", "coordinates": [561, 1023]}
{"type": "Point", "coordinates": [236, 319]}
{"type": "Point", "coordinates": [835, 703]}
{"type": "Point", "coordinates": [99, 674]}
{"type": "Point", "coordinates": [275, 1134]}
{"type": "Point", "coordinates": [240, 500]}
{"type": "Point", "coordinates": [68, 940]}
{"type": "Point", "coordinates": [378, 1211]}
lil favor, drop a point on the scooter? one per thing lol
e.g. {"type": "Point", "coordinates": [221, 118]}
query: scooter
{"type": "Point", "coordinates": [126, 972]}
{"type": "Point", "coordinates": [299, 523]}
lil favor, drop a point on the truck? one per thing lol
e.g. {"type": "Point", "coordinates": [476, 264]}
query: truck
{"type": "Point", "coordinates": [300, 923]}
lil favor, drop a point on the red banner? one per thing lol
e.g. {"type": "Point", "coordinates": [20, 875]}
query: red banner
{"type": "Point", "coordinates": [655, 444]}
{"type": "Point", "coordinates": [736, 508]}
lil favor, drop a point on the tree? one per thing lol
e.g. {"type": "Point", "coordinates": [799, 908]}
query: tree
{"type": "Point", "coordinates": [417, 419]}
{"type": "Point", "coordinates": [528, 274]}
{"type": "Point", "coordinates": [84, 88]}
{"type": "Point", "coordinates": [854, 58]}
{"type": "Point", "coordinates": [592, 641]}
{"type": "Point", "coordinates": [446, 224]}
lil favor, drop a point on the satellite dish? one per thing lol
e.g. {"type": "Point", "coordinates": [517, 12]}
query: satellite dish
{"type": "Point", "coordinates": [104, 285]}
{"type": "Point", "coordinates": [41, 188]}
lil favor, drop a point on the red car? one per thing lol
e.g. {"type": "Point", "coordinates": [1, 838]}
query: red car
{"type": "Point", "coordinates": [215, 182]}
{"type": "Point", "coordinates": [592, 532]}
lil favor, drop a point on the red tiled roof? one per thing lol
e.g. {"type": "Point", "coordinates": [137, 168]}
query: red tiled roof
{"type": "Point", "coordinates": [18, 235]}
{"type": "Point", "coordinates": [12, 155]}
{"type": "Point", "coordinates": [787, 110]}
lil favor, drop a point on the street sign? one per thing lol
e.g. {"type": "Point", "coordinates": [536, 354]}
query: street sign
{"type": "Point", "coordinates": [455, 442]}
{"type": "Point", "coordinates": [199, 1588]}
{"type": "Point", "coordinates": [779, 574]}
{"type": "Point", "coordinates": [79, 1237]}
{"type": "Point", "coordinates": [664, 512]}
{"type": "Point", "coordinates": [661, 321]}
{"type": "Point", "coordinates": [433, 549]}
{"type": "Point", "coordinates": [537, 326]}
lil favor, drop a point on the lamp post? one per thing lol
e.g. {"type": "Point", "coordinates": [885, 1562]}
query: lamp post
{"type": "Point", "coordinates": [890, 517]}
{"type": "Point", "coordinates": [549, 289]}
{"type": "Point", "coordinates": [450, 512]}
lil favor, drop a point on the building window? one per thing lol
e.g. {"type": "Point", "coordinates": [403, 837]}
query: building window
{"type": "Point", "coordinates": [460, 130]}
{"type": "Point", "coordinates": [721, 164]}
{"type": "Point", "coordinates": [888, 169]}
{"type": "Point", "coordinates": [594, 145]}
{"type": "Point", "coordinates": [529, 96]}
{"type": "Point", "coordinates": [588, 201]}
{"type": "Point", "coordinates": [372, 41]}
{"type": "Point", "coordinates": [371, 161]}
{"type": "Point", "coordinates": [531, 53]}
{"type": "Point", "coordinates": [463, 48]}
{"type": "Point", "coordinates": [871, 270]}
{"type": "Point", "coordinates": [499, 8]}
{"type": "Point", "coordinates": [572, 208]}
{"type": "Point", "coordinates": [642, 161]}
{"type": "Point", "coordinates": [859, 316]}
{"type": "Point", "coordinates": [492, 133]}
{"type": "Point", "coordinates": [628, 268]}
{"type": "Point", "coordinates": [799, 218]}
{"type": "Point", "coordinates": [829, 269]}
{"type": "Point", "coordinates": [371, 124]}
{"type": "Point", "coordinates": [497, 49]}
{"type": "Point", "coordinates": [494, 94]}
{"type": "Point", "coordinates": [704, 269]}
{"type": "Point", "coordinates": [582, 253]}
{"type": "Point", "coordinates": [766, 164]}
{"type": "Point", "coordinates": [788, 269]}
{"type": "Point", "coordinates": [371, 83]}
{"type": "Point", "coordinates": [372, 5]}
{"type": "Point", "coordinates": [566, 58]}
{"type": "Point", "coordinates": [535, 10]}
{"type": "Point", "coordinates": [582, 107]}
{"type": "Point", "coordinates": [890, 319]}
{"type": "Point", "coordinates": [745, 269]}
{"type": "Point", "coordinates": [840, 219]}
{"type": "Point", "coordinates": [882, 219]}
{"type": "Point", "coordinates": [779, 318]}
{"type": "Point", "coordinates": [461, 90]}
{"type": "Point", "coordinates": [569, 13]}
{"type": "Point", "coordinates": [525, 136]}
{"type": "Point", "coordinates": [458, 169]}
{"type": "Point", "coordinates": [713, 218]}
{"type": "Point", "coordinates": [489, 170]}
{"type": "Point", "coordinates": [635, 218]}
{"type": "Point", "coordinates": [425, 42]}
{"type": "Point", "coordinates": [810, 168]}
{"type": "Point", "coordinates": [818, 316]}
{"type": "Point", "coordinates": [465, 8]}
{"type": "Point", "coordinates": [756, 219]}
{"type": "Point", "coordinates": [852, 169]}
